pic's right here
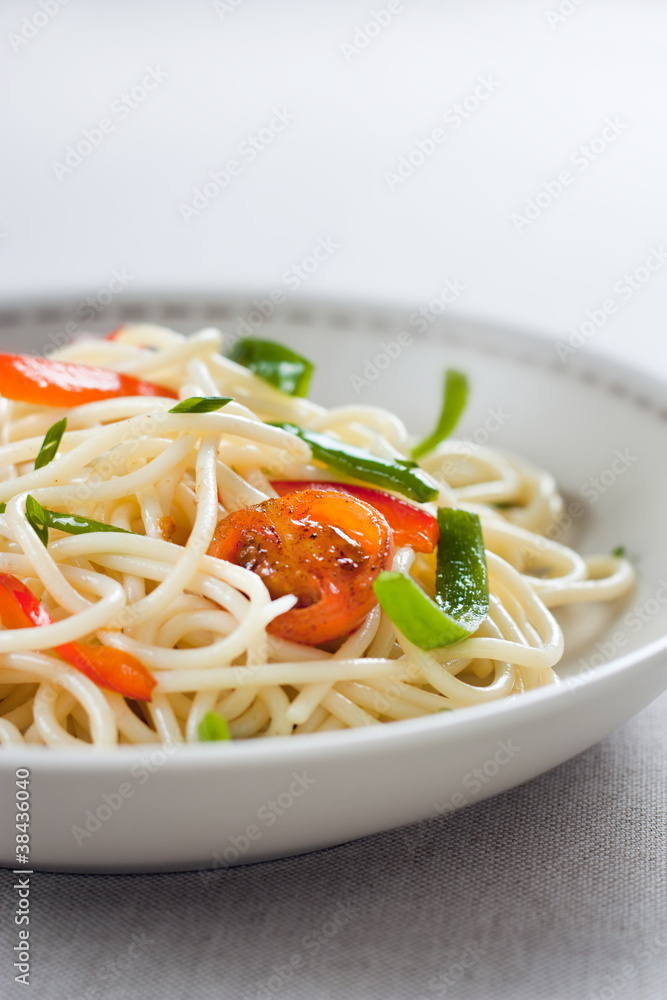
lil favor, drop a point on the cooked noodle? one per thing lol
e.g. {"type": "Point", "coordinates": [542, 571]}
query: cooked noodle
{"type": "Point", "coordinates": [199, 623]}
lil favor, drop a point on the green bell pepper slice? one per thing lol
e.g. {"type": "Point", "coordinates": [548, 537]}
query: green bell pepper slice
{"type": "Point", "coordinates": [276, 364]}
{"type": "Point", "coordinates": [400, 474]}
{"type": "Point", "coordinates": [461, 601]}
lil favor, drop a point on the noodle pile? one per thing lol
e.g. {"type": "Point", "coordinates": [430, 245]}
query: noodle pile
{"type": "Point", "coordinates": [198, 623]}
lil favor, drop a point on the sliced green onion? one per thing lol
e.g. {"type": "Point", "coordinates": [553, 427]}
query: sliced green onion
{"type": "Point", "coordinates": [213, 727]}
{"type": "Point", "coordinates": [400, 474]}
{"type": "Point", "coordinates": [74, 524]}
{"type": "Point", "coordinates": [453, 404]}
{"type": "Point", "coordinates": [50, 444]}
{"type": "Point", "coordinates": [619, 552]}
{"type": "Point", "coordinates": [275, 364]}
{"type": "Point", "coordinates": [461, 587]}
{"type": "Point", "coordinates": [3, 508]}
{"type": "Point", "coordinates": [41, 519]}
{"type": "Point", "coordinates": [200, 404]}
{"type": "Point", "coordinates": [36, 517]}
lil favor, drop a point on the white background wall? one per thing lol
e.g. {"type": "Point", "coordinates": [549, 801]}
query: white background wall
{"type": "Point", "coordinates": [556, 79]}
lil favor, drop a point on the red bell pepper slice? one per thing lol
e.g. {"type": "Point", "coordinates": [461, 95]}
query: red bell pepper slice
{"type": "Point", "coordinates": [108, 668]}
{"type": "Point", "coordinates": [410, 525]}
{"type": "Point", "coordinates": [113, 334]}
{"type": "Point", "coordinates": [28, 379]}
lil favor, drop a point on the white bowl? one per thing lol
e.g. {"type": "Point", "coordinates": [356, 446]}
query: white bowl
{"type": "Point", "coordinates": [206, 806]}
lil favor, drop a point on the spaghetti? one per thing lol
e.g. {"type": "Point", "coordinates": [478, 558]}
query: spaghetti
{"type": "Point", "coordinates": [201, 625]}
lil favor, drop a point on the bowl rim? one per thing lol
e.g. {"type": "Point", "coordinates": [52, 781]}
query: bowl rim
{"type": "Point", "coordinates": [521, 346]}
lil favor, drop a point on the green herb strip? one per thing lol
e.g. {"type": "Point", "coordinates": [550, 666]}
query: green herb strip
{"type": "Point", "coordinates": [200, 404]}
{"type": "Point", "coordinates": [400, 474]}
{"type": "Point", "coordinates": [50, 444]}
{"type": "Point", "coordinates": [274, 363]}
{"type": "Point", "coordinates": [461, 587]}
{"type": "Point", "coordinates": [36, 517]}
{"type": "Point", "coordinates": [455, 396]}
{"type": "Point", "coordinates": [41, 519]}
